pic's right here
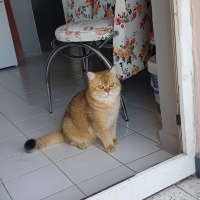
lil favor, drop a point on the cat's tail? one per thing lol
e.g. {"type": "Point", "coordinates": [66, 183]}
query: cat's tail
{"type": "Point", "coordinates": [50, 139]}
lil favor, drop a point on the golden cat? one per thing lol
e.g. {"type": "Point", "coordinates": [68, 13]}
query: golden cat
{"type": "Point", "coordinates": [91, 114]}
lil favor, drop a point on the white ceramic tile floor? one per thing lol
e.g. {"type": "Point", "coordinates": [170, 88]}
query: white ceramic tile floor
{"type": "Point", "coordinates": [152, 132]}
{"type": "Point", "coordinates": [140, 120]}
{"type": "Point", "coordinates": [11, 146]}
{"type": "Point", "coordinates": [62, 171]}
{"type": "Point", "coordinates": [3, 193]}
{"type": "Point", "coordinates": [35, 123]}
{"type": "Point", "coordinates": [21, 163]}
{"type": "Point", "coordinates": [62, 151]}
{"type": "Point", "coordinates": [22, 114]}
{"type": "Point", "coordinates": [149, 161]}
{"type": "Point", "coordinates": [57, 105]}
{"type": "Point", "coordinates": [72, 193]}
{"type": "Point", "coordinates": [8, 130]}
{"type": "Point", "coordinates": [105, 180]}
{"type": "Point", "coordinates": [43, 131]}
{"type": "Point", "coordinates": [38, 184]}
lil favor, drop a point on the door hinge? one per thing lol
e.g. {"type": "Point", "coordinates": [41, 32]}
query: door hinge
{"type": "Point", "coordinates": [178, 120]}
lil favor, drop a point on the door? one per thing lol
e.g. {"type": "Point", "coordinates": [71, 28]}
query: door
{"type": "Point", "coordinates": [48, 16]}
{"type": "Point", "coordinates": [7, 51]}
{"type": "Point", "coordinates": [181, 166]}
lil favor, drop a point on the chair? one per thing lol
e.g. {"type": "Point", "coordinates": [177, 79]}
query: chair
{"type": "Point", "coordinates": [93, 23]}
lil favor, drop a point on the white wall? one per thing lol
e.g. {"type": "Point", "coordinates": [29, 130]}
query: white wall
{"type": "Point", "coordinates": [196, 52]}
{"type": "Point", "coordinates": [166, 77]}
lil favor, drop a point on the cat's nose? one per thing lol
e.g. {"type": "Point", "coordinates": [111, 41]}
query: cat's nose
{"type": "Point", "coordinates": [107, 90]}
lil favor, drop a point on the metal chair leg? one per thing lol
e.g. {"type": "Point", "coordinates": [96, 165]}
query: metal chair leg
{"type": "Point", "coordinates": [124, 109]}
{"type": "Point", "coordinates": [49, 97]}
{"type": "Point", "coordinates": [85, 60]}
{"type": "Point", "coordinates": [47, 78]}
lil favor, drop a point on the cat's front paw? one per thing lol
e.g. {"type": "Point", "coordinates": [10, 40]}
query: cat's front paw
{"type": "Point", "coordinates": [116, 141]}
{"type": "Point", "coordinates": [82, 146]}
{"type": "Point", "coordinates": [110, 149]}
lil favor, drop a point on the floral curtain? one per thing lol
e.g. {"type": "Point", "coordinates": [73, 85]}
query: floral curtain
{"type": "Point", "coordinates": [133, 21]}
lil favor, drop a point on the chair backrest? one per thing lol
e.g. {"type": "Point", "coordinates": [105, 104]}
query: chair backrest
{"type": "Point", "coordinates": [77, 10]}
{"type": "Point", "coordinates": [103, 8]}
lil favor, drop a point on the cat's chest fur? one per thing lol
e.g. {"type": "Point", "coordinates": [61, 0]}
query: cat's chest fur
{"type": "Point", "coordinates": [113, 114]}
{"type": "Point", "coordinates": [108, 110]}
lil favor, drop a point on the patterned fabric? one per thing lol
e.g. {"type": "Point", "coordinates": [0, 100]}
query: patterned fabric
{"type": "Point", "coordinates": [132, 19]}
{"type": "Point", "coordinates": [103, 8]}
{"type": "Point", "coordinates": [78, 10]}
{"type": "Point", "coordinates": [131, 48]}
{"type": "Point", "coordinates": [86, 30]}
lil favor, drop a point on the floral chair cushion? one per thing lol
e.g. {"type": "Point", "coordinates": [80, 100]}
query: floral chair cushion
{"type": "Point", "coordinates": [85, 30]}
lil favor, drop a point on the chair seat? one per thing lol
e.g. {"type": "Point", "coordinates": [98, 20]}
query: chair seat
{"type": "Point", "coordinates": [86, 30]}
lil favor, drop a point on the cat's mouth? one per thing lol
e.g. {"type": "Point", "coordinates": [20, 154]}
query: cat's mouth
{"type": "Point", "coordinates": [107, 95]}
{"type": "Point", "coordinates": [104, 96]}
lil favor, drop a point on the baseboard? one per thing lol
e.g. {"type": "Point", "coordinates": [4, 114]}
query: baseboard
{"type": "Point", "coordinates": [169, 141]}
{"type": "Point", "coordinates": [197, 163]}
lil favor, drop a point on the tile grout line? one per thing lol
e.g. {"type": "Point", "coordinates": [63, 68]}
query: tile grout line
{"type": "Point", "coordinates": [7, 191]}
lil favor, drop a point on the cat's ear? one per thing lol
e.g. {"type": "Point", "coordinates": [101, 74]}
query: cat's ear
{"type": "Point", "coordinates": [113, 70]}
{"type": "Point", "coordinates": [90, 75]}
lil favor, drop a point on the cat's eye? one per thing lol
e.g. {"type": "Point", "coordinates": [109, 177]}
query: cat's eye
{"type": "Point", "coordinates": [111, 85]}
{"type": "Point", "coordinates": [101, 87]}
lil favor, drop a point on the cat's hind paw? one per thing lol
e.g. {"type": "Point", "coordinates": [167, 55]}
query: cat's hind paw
{"type": "Point", "coordinates": [79, 145]}
{"type": "Point", "coordinates": [110, 149]}
{"type": "Point", "coordinates": [30, 145]}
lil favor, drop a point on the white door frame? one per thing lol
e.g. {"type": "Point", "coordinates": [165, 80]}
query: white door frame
{"type": "Point", "coordinates": [181, 166]}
